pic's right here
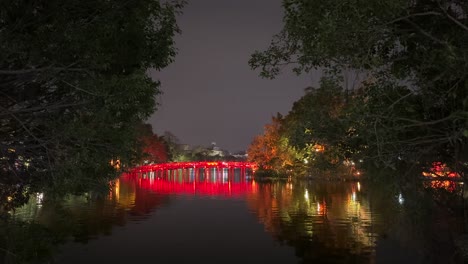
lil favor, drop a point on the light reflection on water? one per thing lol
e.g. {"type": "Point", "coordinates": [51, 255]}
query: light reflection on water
{"type": "Point", "coordinates": [333, 215]}
{"type": "Point", "coordinates": [332, 222]}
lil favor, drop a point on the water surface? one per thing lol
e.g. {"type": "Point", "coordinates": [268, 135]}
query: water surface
{"type": "Point", "coordinates": [227, 217]}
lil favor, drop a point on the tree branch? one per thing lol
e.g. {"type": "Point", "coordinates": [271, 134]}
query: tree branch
{"type": "Point", "coordinates": [27, 71]}
{"type": "Point", "coordinates": [429, 13]}
{"type": "Point", "coordinates": [24, 127]}
{"type": "Point", "coordinates": [33, 109]}
{"type": "Point", "coordinates": [425, 33]}
{"type": "Point", "coordinates": [452, 18]}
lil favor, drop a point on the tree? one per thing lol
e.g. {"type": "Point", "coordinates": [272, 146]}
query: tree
{"type": "Point", "coordinates": [413, 53]}
{"type": "Point", "coordinates": [316, 125]}
{"type": "Point", "coordinates": [73, 82]}
{"type": "Point", "coordinates": [152, 148]}
{"type": "Point", "coordinates": [174, 147]}
{"type": "Point", "coordinates": [272, 150]}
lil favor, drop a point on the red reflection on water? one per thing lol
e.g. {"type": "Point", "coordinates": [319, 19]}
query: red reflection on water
{"type": "Point", "coordinates": [450, 186]}
{"type": "Point", "coordinates": [165, 186]}
{"type": "Point", "coordinates": [444, 177]}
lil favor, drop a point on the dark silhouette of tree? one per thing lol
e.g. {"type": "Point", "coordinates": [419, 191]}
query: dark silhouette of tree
{"type": "Point", "coordinates": [73, 83]}
{"type": "Point", "coordinates": [413, 104]}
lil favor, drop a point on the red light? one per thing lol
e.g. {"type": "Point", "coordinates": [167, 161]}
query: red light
{"type": "Point", "coordinates": [206, 185]}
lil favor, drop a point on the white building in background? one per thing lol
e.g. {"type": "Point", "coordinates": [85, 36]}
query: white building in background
{"type": "Point", "coordinates": [215, 151]}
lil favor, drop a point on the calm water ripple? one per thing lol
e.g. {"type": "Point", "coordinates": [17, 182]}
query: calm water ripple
{"type": "Point", "coordinates": [230, 219]}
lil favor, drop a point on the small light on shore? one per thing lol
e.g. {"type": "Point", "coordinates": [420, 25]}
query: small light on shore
{"type": "Point", "coordinates": [401, 200]}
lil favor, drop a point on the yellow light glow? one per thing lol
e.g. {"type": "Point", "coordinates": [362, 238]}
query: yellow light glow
{"type": "Point", "coordinates": [319, 148]}
{"type": "Point", "coordinates": [117, 189]}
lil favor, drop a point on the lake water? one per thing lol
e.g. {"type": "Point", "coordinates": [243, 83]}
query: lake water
{"type": "Point", "coordinates": [231, 218]}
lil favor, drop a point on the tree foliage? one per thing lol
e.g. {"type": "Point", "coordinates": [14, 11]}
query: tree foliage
{"type": "Point", "coordinates": [414, 102]}
{"type": "Point", "coordinates": [152, 148]}
{"type": "Point", "coordinates": [317, 122]}
{"type": "Point", "coordinates": [272, 150]}
{"type": "Point", "coordinates": [73, 82]}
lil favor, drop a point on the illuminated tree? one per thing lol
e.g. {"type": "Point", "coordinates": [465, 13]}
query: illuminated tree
{"type": "Point", "coordinates": [315, 125]}
{"type": "Point", "coordinates": [272, 150]}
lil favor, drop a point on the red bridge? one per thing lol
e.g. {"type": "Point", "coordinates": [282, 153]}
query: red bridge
{"type": "Point", "coordinates": [195, 165]}
{"type": "Point", "coordinates": [206, 177]}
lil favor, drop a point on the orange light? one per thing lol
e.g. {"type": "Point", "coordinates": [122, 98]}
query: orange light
{"type": "Point", "coordinates": [440, 169]}
{"type": "Point", "coordinates": [319, 148]}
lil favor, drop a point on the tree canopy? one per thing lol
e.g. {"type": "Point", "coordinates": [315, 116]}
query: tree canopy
{"type": "Point", "coordinates": [412, 106]}
{"type": "Point", "coordinates": [73, 82]}
{"type": "Point", "coordinates": [152, 148]}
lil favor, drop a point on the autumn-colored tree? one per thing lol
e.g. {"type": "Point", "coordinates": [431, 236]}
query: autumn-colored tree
{"type": "Point", "coordinates": [271, 150]}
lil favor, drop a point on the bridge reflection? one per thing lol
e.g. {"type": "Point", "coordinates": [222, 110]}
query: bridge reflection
{"type": "Point", "coordinates": [201, 178]}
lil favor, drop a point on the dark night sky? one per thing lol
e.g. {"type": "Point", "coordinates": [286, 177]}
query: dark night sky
{"type": "Point", "coordinates": [210, 94]}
